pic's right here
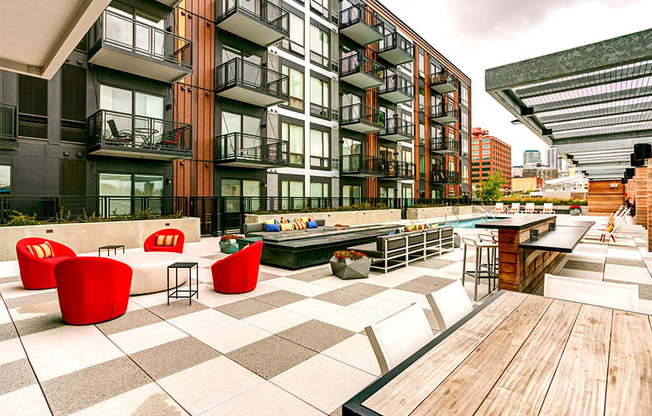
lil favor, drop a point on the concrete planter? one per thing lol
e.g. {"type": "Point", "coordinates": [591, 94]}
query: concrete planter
{"type": "Point", "coordinates": [229, 246]}
{"type": "Point", "coordinates": [575, 212]}
{"type": "Point", "coordinates": [375, 216]}
{"type": "Point", "coordinates": [351, 269]}
{"type": "Point", "coordinates": [87, 237]}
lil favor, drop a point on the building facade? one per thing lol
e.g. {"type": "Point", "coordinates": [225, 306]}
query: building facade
{"type": "Point", "coordinates": [552, 158]}
{"type": "Point", "coordinates": [531, 158]}
{"type": "Point", "coordinates": [490, 155]}
{"type": "Point", "coordinates": [273, 101]}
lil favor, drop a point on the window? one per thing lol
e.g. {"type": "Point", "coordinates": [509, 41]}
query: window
{"type": "Point", "coordinates": [422, 64]}
{"type": "Point", "coordinates": [32, 107]}
{"type": "Point", "coordinates": [319, 45]}
{"type": "Point", "coordinates": [233, 189]}
{"type": "Point", "coordinates": [320, 6]}
{"type": "Point", "coordinates": [292, 193]}
{"type": "Point", "coordinates": [5, 180]}
{"type": "Point", "coordinates": [296, 41]}
{"type": "Point", "coordinates": [319, 97]}
{"type": "Point", "coordinates": [465, 173]}
{"type": "Point", "coordinates": [137, 38]}
{"type": "Point", "coordinates": [351, 151]}
{"type": "Point", "coordinates": [73, 104]}
{"type": "Point", "coordinates": [406, 155]}
{"type": "Point", "coordinates": [464, 125]}
{"type": "Point", "coordinates": [464, 95]}
{"type": "Point", "coordinates": [319, 149]}
{"type": "Point", "coordinates": [351, 194]}
{"type": "Point", "coordinates": [386, 192]}
{"type": "Point", "coordinates": [296, 86]}
{"type": "Point", "coordinates": [319, 189]}
{"type": "Point", "coordinates": [293, 133]}
{"type": "Point", "coordinates": [129, 185]}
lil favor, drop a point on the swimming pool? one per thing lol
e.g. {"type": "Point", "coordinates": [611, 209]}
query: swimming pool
{"type": "Point", "coordinates": [471, 222]}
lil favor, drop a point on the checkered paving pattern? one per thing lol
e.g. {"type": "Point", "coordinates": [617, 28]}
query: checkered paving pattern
{"type": "Point", "coordinates": [293, 346]}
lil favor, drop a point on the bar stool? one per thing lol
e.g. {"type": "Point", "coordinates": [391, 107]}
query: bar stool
{"type": "Point", "coordinates": [492, 253]}
{"type": "Point", "coordinates": [480, 271]}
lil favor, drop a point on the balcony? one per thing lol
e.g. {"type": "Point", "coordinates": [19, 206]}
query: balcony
{"type": "Point", "coordinates": [395, 49]}
{"type": "Point", "coordinates": [244, 81]}
{"type": "Point", "coordinates": [360, 24]}
{"type": "Point", "coordinates": [361, 71]}
{"type": "Point", "coordinates": [444, 177]}
{"type": "Point", "coordinates": [443, 82]}
{"type": "Point", "coordinates": [361, 118]}
{"type": "Point", "coordinates": [259, 21]}
{"type": "Point", "coordinates": [170, 3]}
{"type": "Point", "coordinates": [126, 135]}
{"type": "Point", "coordinates": [445, 147]}
{"type": "Point", "coordinates": [396, 89]}
{"type": "Point", "coordinates": [444, 114]}
{"type": "Point", "coordinates": [131, 46]}
{"type": "Point", "coordinates": [399, 170]}
{"type": "Point", "coordinates": [398, 130]}
{"type": "Point", "coordinates": [250, 151]}
{"type": "Point", "coordinates": [8, 127]}
{"type": "Point", "coordinates": [361, 166]}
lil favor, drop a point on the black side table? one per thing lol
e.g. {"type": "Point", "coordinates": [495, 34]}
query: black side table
{"type": "Point", "coordinates": [113, 247]}
{"type": "Point", "coordinates": [185, 293]}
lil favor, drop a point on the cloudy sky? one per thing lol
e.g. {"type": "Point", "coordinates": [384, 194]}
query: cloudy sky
{"type": "Point", "coordinates": [480, 34]}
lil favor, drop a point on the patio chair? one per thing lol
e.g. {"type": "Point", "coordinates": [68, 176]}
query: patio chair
{"type": "Point", "coordinates": [167, 239]}
{"type": "Point", "coordinates": [120, 135]}
{"type": "Point", "coordinates": [499, 208]}
{"type": "Point", "coordinates": [238, 273]}
{"type": "Point", "coordinates": [450, 304]}
{"type": "Point", "coordinates": [529, 208]}
{"type": "Point", "coordinates": [36, 266]}
{"type": "Point", "coordinates": [515, 208]}
{"type": "Point", "coordinates": [398, 336]}
{"type": "Point", "coordinates": [607, 294]}
{"type": "Point", "coordinates": [92, 289]}
{"type": "Point", "coordinates": [547, 209]}
{"type": "Point", "coordinates": [171, 139]}
{"type": "Point", "coordinates": [613, 227]}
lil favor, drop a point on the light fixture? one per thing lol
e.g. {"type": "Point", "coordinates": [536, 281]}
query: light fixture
{"type": "Point", "coordinates": [516, 122]}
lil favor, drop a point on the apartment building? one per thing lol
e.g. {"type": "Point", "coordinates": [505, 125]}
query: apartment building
{"type": "Point", "coordinates": [490, 155]}
{"type": "Point", "coordinates": [269, 100]}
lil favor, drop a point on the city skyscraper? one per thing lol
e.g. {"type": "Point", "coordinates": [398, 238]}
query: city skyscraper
{"type": "Point", "coordinates": [552, 158]}
{"type": "Point", "coordinates": [531, 158]}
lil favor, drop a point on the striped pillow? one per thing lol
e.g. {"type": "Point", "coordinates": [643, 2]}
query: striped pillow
{"type": "Point", "coordinates": [166, 240]}
{"type": "Point", "coordinates": [300, 225]}
{"type": "Point", "coordinates": [41, 251]}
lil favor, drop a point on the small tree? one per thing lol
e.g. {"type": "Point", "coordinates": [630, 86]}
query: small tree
{"type": "Point", "coordinates": [491, 188]}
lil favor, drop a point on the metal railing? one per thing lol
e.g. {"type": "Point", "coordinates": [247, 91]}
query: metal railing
{"type": "Point", "coordinates": [444, 176]}
{"type": "Point", "coordinates": [238, 72]}
{"type": "Point", "coordinates": [360, 113]}
{"type": "Point", "coordinates": [442, 77]}
{"type": "Point", "coordinates": [249, 147]}
{"type": "Point", "coordinates": [445, 110]}
{"type": "Point", "coordinates": [395, 82]}
{"type": "Point", "coordinates": [359, 62]}
{"type": "Point", "coordinates": [360, 164]}
{"type": "Point", "coordinates": [397, 125]}
{"type": "Point", "coordinates": [396, 40]}
{"type": "Point", "coordinates": [139, 37]}
{"type": "Point", "coordinates": [7, 122]}
{"type": "Point", "coordinates": [262, 10]}
{"type": "Point", "coordinates": [129, 131]}
{"type": "Point", "coordinates": [360, 13]}
{"type": "Point", "coordinates": [441, 144]}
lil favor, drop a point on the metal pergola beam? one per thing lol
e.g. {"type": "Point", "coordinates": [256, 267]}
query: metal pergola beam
{"type": "Point", "coordinates": [608, 97]}
{"type": "Point", "coordinates": [570, 126]}
{"type": "Point", "coordinates": [625, 140]}
{"type": "Point", "coordinates": [599, 112]}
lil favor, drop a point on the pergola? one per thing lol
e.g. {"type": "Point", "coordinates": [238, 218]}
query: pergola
{"type": "Point", "coordinates": [594, 102]}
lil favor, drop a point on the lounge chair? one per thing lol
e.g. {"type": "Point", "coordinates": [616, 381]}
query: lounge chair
{"type": "Point", "coordinates": [238, 273]}
{"type": "Point", "coordinates": [167, 239]}
{"type": "Point", "coordinates": [499, 208]}
{"type": "Point", "coordinates": [529, 208]}
{"type": "Point", "coordinates": [515, 208]}
{"type": "Point", "coordinates": [36, 264]}
{"type": "Point", "coordinates": [547, 209]}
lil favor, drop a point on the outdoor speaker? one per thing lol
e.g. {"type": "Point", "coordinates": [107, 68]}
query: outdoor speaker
{"type": "Point", "coordinates": [630, 172]}
{"type": "Point", "coordinates": [636, 162]}
{"type": "Point", "coordinates": [623, 181]}
{"type": "Point", "coordinates": [642, 150]}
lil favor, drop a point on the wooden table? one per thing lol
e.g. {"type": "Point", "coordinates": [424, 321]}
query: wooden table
{"type": "Point", "coordinates": [522, 354]}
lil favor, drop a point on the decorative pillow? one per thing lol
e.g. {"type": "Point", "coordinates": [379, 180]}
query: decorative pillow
{"type": "Point", "coordinates": [285, 221]}
{"type": "Point", "coordinates": [272, 227]}
{"type": "Point", "coordinates": [166, 240]}
{"type": "Point", "coordinates": [41, 251]}
{"type": "Point", "coordinates": [305, 219]}
{"type": "Point", "coordinates": [286, 226]}
{"type": "Point", "coordinates": [299, 225]}
{"type": "Point", "coordinates": [610, 228]}
{"type": "Point", "coordinates": [269, 221]}
{"type": "Point", "coordinates": [312, 224]}
{"type": "Point", "coordinates": [411, 228]}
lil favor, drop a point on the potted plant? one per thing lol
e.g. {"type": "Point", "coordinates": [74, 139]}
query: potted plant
{"type": "Point", "coordinates": [228, 244]}
{"type": "Point", "coordinates": [350, 264]}
{"type": "Point", "coordinates": [575, 210]}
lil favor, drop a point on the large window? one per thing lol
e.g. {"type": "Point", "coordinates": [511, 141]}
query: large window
{"type": "Point", "coordinates": [319, 46]}
{"type": "Point", "coordinates": [351, 194]}
{"type": "Point", "coordinates": [73, 103]}
{"type": "Point", "coordinates": [293, 133]}
{"type": "Point", "coordinates": [319, 189]}
{"type": "Point", "coordinates": [320, 6]}
{"type": "Point", "coordinates": [296, 86]}
{"type": "Point", "coordinates": [121, 187]}
{"type": "Point", "coordinates": [234, 189]}
{"type": "Point", "coordinates": [422, 64]}
{"type": "Point", "coordinates": [135, 37]}
{"type": "Point", "coordinates": [296, 42]}
{"type": "Point", "coordinates": [464, 94]}
{"type": "Point", "coordinates": [319, 149]}
{"type": "Point", "coordinates": [32, 107]}
{"type": "Point", "coordinates": [5, 180]}
{"type": "Point", "coordinates": [464, 125]}
{"type": "Point", "coordinates": [292, 193]}
{"type": "Point", "coordinates": [319, 97]}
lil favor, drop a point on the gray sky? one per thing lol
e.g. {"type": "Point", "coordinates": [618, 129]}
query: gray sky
{"type": "Point", "coordinates": [480, 34]}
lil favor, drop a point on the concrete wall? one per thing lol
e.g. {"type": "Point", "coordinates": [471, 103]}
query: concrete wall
{"type": "Point", "coordinates": [441, 212]}
{"type": "Point", "coordinates": [339, 217]}
{"type": "Point", "coordinates": [87, 237]}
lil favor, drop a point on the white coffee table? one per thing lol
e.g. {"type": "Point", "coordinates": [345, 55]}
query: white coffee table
{"type": "Point", "coordinates": [150, 270]}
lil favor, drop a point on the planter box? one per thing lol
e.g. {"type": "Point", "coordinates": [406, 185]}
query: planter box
{"type": "Point", "coordinates": [367, 217]}
{"type": "Point", "coordinates": [229, 246]}
{"type": "Point", "coordinates": [87, 237]}
{"type": "Point", "coordinates": [351, 269]}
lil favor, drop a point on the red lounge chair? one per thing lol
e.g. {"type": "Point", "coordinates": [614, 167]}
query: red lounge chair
{"type": "Point", "coordinates": [37, 273]}
{"type": "Point", "coordinates": [92, 289]}
{"type": "Point", "coordinates": [238, 273]}
{"type": "Point", "coordinates": [150, 242]}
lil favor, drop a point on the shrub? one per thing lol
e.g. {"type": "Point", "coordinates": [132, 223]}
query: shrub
{"type": "Point", "coordinates": [230, 237]}
{"type": "Point", "coordinates": [342, 255]}
{"type": "Point", "coordinates": [18, 218]}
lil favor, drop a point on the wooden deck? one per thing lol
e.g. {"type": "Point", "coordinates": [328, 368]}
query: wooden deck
{"type": "Point", "coordinates": [524, 355]}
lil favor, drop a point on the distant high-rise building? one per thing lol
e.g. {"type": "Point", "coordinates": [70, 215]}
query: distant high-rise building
{"type": "Point", "coordinates": [490, 155]}
{"type": "Point", "coordinates": [531, 158]}
{"type": "Point", "coordinates": [552, 157]}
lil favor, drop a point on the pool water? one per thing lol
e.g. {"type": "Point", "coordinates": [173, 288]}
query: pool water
{"type": "Point", "coordinates": [470, 223]}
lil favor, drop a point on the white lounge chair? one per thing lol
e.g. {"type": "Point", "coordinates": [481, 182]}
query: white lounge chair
{"type": "Point", "coordinates": [515, 208]}
{"type": "Point", "coordinates": [398, 336]}
{"type": "Point", "coordinates": [547, 209]}
{"type": "Point", "coordinates": [613, 228]}
{"type": "Point", "coordinates": [529, 208]}
{"type": "Point", "coordinates": [610, 295]}
{"type": "Point", "coordinates": [499, 208]}
{"type": "Point", "coordinates": [450, 304]}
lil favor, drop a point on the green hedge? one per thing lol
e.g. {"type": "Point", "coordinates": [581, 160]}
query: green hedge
{"type": "Point", "coordinates": [354, 207]}
{"type": "Point", "coordinates": [18, 218]}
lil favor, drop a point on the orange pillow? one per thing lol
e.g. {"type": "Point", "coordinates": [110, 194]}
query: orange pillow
{"type": "Point", "coordinates": [166, 240]}
{"type": "Point", "coordinates": [610, 228]}
{"type": "Point", "coordinates": [286, 227]}
{"type": "Point", "coordinates": [42, 251]}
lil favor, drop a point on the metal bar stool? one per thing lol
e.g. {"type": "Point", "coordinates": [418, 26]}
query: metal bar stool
{"type": "Point", "coordinates": [492, 255]}
{"type": "Point", "coordinates": [479, 272]}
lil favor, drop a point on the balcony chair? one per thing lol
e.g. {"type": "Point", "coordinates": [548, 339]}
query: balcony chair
{"type": "Point", "coordinates": [398, 336]}
{"type": "Point", "coordinates": [171, 139]}
{"type": "Point", "coordinates": [92, 289]}
{"type": "Point", "coordinates": [120, 135]}
{"type": "Point", "coordinates": [37, 272]}
{"type": "Point", "coordinates": [607, 294]}
{"type": "Point", "coordinates": [238, 273]}
{"type": "Point", "coordinates": [450, 304]}
{"type": "Point", "coordinates": [167, 239]}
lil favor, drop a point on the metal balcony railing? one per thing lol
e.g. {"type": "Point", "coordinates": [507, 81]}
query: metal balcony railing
{"type": "Point", "coordinates": [440, 145]}
{"type": "Point", "coordinates": [143, 39]}
{"type": "Point", "coordinates": [445, 111]}
{"type": "Point", "coordinates": [359, 113]}
{"type": "Point", "coordinates": [248, 147]}
{"type": "Point", "coordinates": [360, 13]}
{"type": "Point", "coordinates": [395, 82]}
{"type": "Point", "coordinates": [358, 62]}
{"type": "Point", "coordinates": [398, 169]}
{"type": "Point", "coordinates": [397, 125]}
{"type": "Point", "coordinates": [443, 82]}
{"type": "Point", "coordinates": [238, 72]}
{"type": "Point", "coordinates": [395, 40]}
{"type": "Point", "coordinates": [360, 164]}
{"type": "Point", "coordinates": [138, 133]}
{"type": "Point", "coordinates": [444, 176]}
{"type": "Point", "coordinates": [262, 10]}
